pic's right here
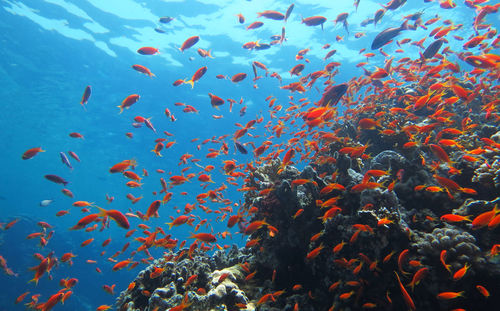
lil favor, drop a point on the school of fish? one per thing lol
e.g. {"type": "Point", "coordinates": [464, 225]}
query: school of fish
{"type": "Point", "coordinates": [449, 95]}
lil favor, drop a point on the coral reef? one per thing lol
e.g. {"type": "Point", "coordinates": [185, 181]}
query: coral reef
{"type": "Point", "coordinates": [373, 214]}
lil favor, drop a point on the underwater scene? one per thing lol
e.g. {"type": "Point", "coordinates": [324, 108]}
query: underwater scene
{"type": "Point", "coordinates": [250, 155]}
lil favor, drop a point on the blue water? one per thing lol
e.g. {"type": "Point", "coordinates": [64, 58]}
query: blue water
{"type": "Point", "coordinates": [51, 50]}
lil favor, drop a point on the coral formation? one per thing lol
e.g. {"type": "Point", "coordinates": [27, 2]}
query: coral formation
{"type": "Point", "coordinates": [337, 234]}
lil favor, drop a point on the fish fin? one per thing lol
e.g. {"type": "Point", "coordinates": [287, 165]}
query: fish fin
{"type": "Point", "coordinates": [404, 26]}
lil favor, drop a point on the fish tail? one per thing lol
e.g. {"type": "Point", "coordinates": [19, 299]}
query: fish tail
{"type": "Point", "coordinates": [191, 82]}
{"type": "Point", "coordinates": [121, 109]}
{"type": "Point", "coordinates": [102, 211]}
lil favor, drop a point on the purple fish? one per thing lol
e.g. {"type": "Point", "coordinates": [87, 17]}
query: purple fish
{"type": "Point", "coordinates": [394, 4]}
{"type": "Point", "coordinates": [387, 35]}
{"type": "Point", "coordinates": [56, 179]}
{"type": "Point", "coordinates": [432, 49]}
{"type": "Point", "coordinates": [378, 83]}
{"type": "Point", "coordinates": [86, 96]}
{"type": "Point", "coordinates": [137, 125]}
{"type": "Point", "coordinates": [149, 125]}
{"type": "Point", "coordinates": [332, 94]}
{"type": "Point", "coordinates": [65, 159]}
{"type": "Point", "coordinates": [240, 147]}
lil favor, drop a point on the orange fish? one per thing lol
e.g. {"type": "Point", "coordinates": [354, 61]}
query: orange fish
{"type": "Point", "coordinates": [315, 252]}
{"type": "Point", "coordinates": [407, 298]}
{"type": "Point", "coordinates": [449, 295]}
{"type": "Point", "coordinates": [460, 273]}
{"type": "Point", "coordinates": [483, 219]}
{"type": "Point", "coordinates": [178, 221]}
{"type": "Point", "coordinates": [143, 70]}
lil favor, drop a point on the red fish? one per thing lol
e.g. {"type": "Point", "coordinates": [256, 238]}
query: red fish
{"type": "Point", "coordinates": [238, 77]}
{"type": "Point", "coordinates": [197, 76]}
{"type": "Point", "coordinates": [128, 101]}
{"type": "Point", "coordinates": [30, 153]}
{"type": "Point", "coordinates": [255, 25]}
{"type": "Point", "coordinates": [189, 43]}
{"type": "Point", "coordinates": [314, 21]}
{"type": "Point", "coordinates": [275, 15]}
{"type": "Point", "coordinates": [147, 50]}
{"type": "Point", "coordinates": [215, 100]}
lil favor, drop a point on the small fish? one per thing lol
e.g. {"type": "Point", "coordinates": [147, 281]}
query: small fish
{"type": "Point", "coordinates": [241, 18]}
{"type": "Point", "coordinates": [120, 219]}
{"type": "Point", "coordinates": [262, 46]}
{"type": "Point", "coordinates": [128, 101]}
{"type": "Point", "coordinates": [387, 35]}
{"type": "Point", "coordinates": [46, 202]}
{"type": "Point", "coordinates": [205, 237]}
{"type": "Point", "coordinates": [314, 21]}
{"type": "Point", "coordinates": [74, 155]}
{"type": "Point", "coordinates": [147, 50]}
{"type": "Point", "coordinates": [205, 53]}
{"type": "Point", "coordinates": [143, 70]}
{"type": "Point", "coordinates": [65, 160]}
{"type": "Point", "coordinates": [378, 16]}
{"type": "Point", "coordinates": [332, 94]}
{"type": "Point", "coordinates": [238, 77]}
{"type": "Point", "coordinates": [394, 4]}
{"type": "Point", "coordinates": [149, 125]}
{"type": "Point", "coordinates": [30, 153]}
{"type": "Point", "coordinates": [289, 11]}
{"type": "Point", "coordinates": [449, 295]}
{"type": "Point", "coordinates": [215, 100]}
{"type": "Point", "coordinates": [432, 49]}
{"type": "Point", "coordinates": [197, 76]}
{"type": "Point", "coordinates": [189, 43]}
{"type": "Point", "coordinates": [275, 15]}
{"type": "Point", "coordinates": [240, 147]}
{"type": "Point", "coordinates": [166, 19]}
{"type": "Point", "coordinates": [255, 25]}
{"type": "Point", "coordinates": [86, 95]}
{"type": "Point", "coordinates": [56, 179]}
